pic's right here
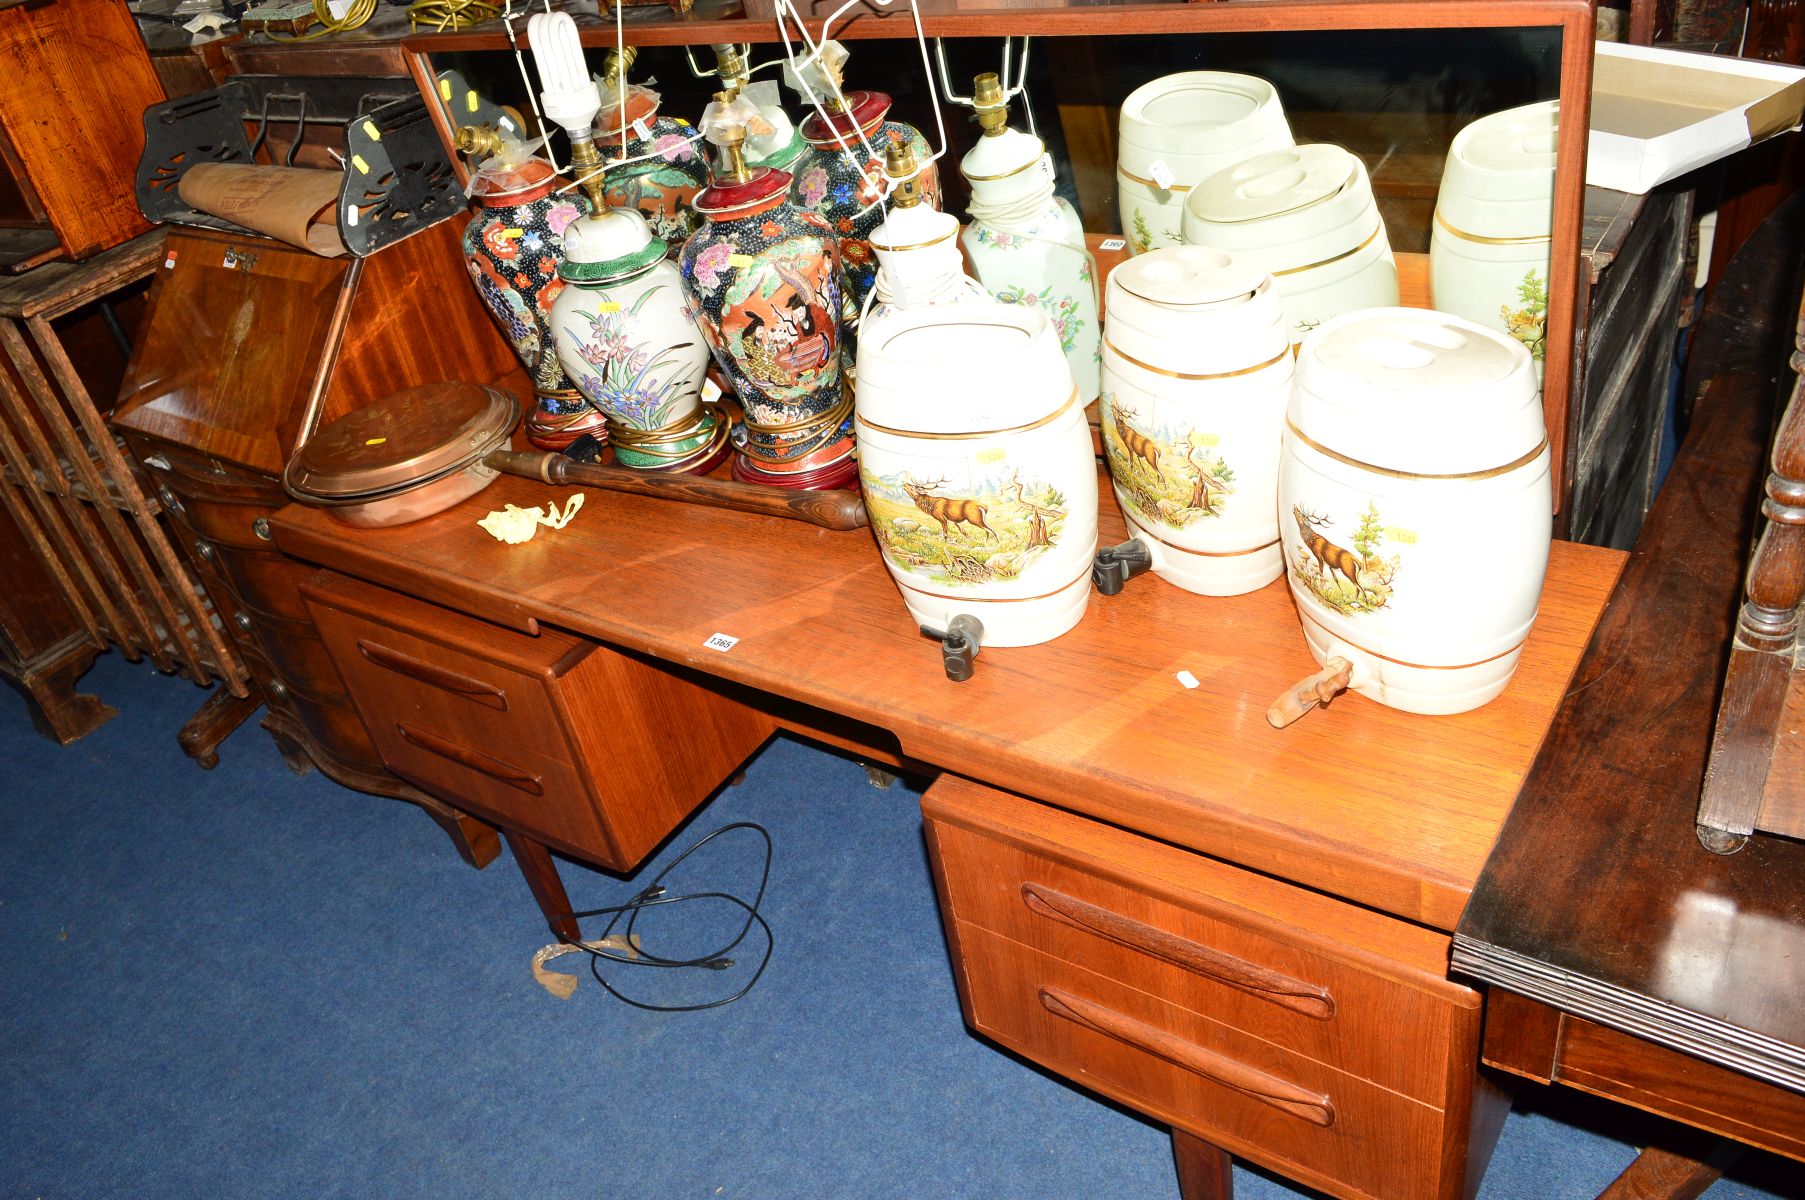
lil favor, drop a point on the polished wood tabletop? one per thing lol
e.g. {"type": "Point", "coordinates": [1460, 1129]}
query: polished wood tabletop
{"type": "Point", "coordinates": [1384, 808]}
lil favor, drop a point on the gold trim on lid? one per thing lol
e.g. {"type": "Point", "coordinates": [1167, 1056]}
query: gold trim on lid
{"type": "Point", "coordinates": [1125, 173]}
{"type": "Point", "coordinates": [1488, 473]}
{"type": "Point", "coordinates": [961, 437]}
{"type": "Point", "coordinates": [1335, 258]}
{"type": "Point", "coordinates": [1133, 361]}
{"type": "Point", "coordinates": [1464, 236]}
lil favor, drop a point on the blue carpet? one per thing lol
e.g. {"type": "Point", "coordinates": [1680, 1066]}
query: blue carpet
{"type": "Point", "coordinates": [245, 983]}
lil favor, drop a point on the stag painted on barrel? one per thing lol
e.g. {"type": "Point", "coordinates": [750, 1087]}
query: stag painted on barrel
{"type": "Point", "coordinates": [1320, 562]}
{"type": "Point", "coordinates": [950, 511]}
{"type": "Point", "coordinates": [1138, 444]}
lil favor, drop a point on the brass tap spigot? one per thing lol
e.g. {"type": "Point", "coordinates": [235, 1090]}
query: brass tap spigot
{"type": "Point", "coordinates": [992, 109]}
{"type": "Point", "coordinates": [477, 142]}
{"type": "Point", "coordinates": [616, 65]}
{"type": "Point", "coordinates": [899, 164]}
{"type": "Point", "coordinates": [733, 146]}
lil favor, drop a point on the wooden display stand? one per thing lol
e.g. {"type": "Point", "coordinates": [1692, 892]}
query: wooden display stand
{"type": "Point", "coordinates": [249, 346]}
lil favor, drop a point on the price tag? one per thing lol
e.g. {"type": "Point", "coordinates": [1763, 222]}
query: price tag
{"type": "Point", "coordinates": [721, 642]}
{"type": "Point", "coordinates": [1186, 680]}
{"type": "Point", "coordinates": [338, 8]}
{"type": "Point", "coordinates": [641, 130]}
{"type": "Point", "coordinates": [1161, 173]}
{"type": "Point", "coordinates": [1045, 167]}
{"type": "Point", "coordinates": [1112, 244]}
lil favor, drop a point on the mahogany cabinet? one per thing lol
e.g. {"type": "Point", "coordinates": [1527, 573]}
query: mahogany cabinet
{"type": "Point", "coordinates": [78, 80]}
{"type": "Point", "coordinates": [248, 346]}
{"type": "Point", "coordinates": [1314, 1037]}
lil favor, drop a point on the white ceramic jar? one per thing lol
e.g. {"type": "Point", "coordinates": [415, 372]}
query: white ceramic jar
{"type": "Point", "coordinates": [1177, 131]}
{"type": "Point", "coordinates": [1196, 376]}
{"type": "Point", "coordinates": [1494, 223]}
{"type": "Point", "coordinates": [1026, 244]}
{"type": "Point", "coordinates": [625, 336]}
{"type": "Point", "coordinates": [1307, 216]}
{"type": "Point", "coordinates": [1415, 504]}
{"type": "Point", "coordinates": [976, 465]}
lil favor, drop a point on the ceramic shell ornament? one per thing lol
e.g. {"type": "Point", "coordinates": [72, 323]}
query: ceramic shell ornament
{"type": "Point", "coordinates": [513, 248]}
{"type": "Point", "coordinates": [836, 179]}
{"type": "Point", "coordinates": [625, 335]}
{"type": "Point", "coordinates": [1494, 221]}
{"type": "Point", "coordinates": [672, 168]}
{"type": "Point", "coordinates": [977, 469]}
{"type": "Point", "coordinates": [1026, 243]}
{"type": "Point", "coordinates": [1196, 378]}
{"type": "Point", "coordinates": [1416, 504]}
{"type": "Point", "coordinates": [1307, 215]}
{"type": "Point", "coordinates": [1180, 129]}
{"type": "Point", "coordinates": [763, 278]}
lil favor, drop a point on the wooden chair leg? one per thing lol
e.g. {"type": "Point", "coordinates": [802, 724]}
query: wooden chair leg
{"type": "Point", "coordinates": [1682, 1169]}
{"type": "Point", "coordinates": [58, 710]}
{"type": "Point", "coordinates": [212, 723]}
{"type": "Point", "coordinates": [1205, 1170]}
{"type": "Point", "coordinates": [541, 873]}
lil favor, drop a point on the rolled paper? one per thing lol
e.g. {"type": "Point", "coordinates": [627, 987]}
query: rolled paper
{"type": "Point", "coordinates": [296, 205]}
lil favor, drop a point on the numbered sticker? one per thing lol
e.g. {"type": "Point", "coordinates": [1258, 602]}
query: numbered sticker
{"type": "Point", "coordinates": [1112, 244]}
{"type": "Point", "coordinates": [721, 642]}
{"type": "Point", "coordinates": [1162, 174]}
{"type": "Point", "coordinates": [1186, 680]}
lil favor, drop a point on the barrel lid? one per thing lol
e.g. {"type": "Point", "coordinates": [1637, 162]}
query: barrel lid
{"type": "Point", "coordinates": [1515, 140]}
{"type": "Point", "coordinates": [1274, 184]}
{"type": "Point", "coordinates": [1187, 276]}
{"type": "Point", "coordinates": [403, 440]}
{"type": "Point", "coordinates": [1411, 354]}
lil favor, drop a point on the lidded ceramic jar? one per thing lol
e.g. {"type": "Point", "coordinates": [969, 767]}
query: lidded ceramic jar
{"type": "Point", "coordinates": [917, 249]}
{"type": "Point", "coordinates": [977, 469]}
{"type": "Point", "coordinates": [625, 333]}
{"type": "Point", "coordinates": [1415, 504]}
{"type": "Point", "coordinates": [1026, 243]}
{"type": "Point", "coordinates": [838, 180]}
{"type": "Point", "coordinates": [513, 248]}
{"type": "Point", "coordinates": [1196, 378]}
{"type": "Point", "coordinates": [763, 279]}
{"type": "Point", "coordinates": [670, 168]}
{"type": "Point", "coordinates": [1307, 216]}
{"type": "Point", "coordinates": [1494, 223]}
{"type": "Point", "coordinates": [1180, 129]}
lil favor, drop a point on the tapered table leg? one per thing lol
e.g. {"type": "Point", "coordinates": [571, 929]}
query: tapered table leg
{"type": "Point", "coordinates": [1205, 1171]}
{"type": "Point", "coordinates": [542, 878]}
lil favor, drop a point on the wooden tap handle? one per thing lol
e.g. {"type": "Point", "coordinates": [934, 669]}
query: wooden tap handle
{"type": "Point", "coordinates": [839, 510]}
{"type": "Point", "coordinates": [1310, 691]}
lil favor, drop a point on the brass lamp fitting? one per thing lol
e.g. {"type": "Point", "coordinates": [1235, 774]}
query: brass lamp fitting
{"type": "Point", "coordinates": [987, 100]}
{"type": "Point", "coordinates": [733, 145]}
{"type": "Point", "coordinates": [477, 142]}
{"type": "Point", "coordinates": [730, 65]}
{"type": "Point", "coordinates": [899, 163]}
{"type": "Point", "coordinates": [616, 65]}
{"type": "Point", "coordinates": [586, 165]}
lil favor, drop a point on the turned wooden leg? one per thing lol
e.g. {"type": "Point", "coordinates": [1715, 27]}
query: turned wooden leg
{"type": "Point", "coordinates": [1689, 1162]}
{"type": "Point", "coordinates": [542, 879]}
{"type": "Point", "coordinates": [1205, 1171]}
{"type": "Point", "coordinates": [212, 723]}
{"type": "Point", "coordinates": [477, 842]}
{"type": "Point", "coordinates": [58, 711]}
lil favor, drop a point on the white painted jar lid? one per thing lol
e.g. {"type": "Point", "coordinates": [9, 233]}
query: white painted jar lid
{"type": "Point", "coordinates": [1193, 310]}
{"type": "Point", "coordinates": [1498, 181]}
{"type": "Point", "coordinates": [1416, 391]}
{"type": "Point", "coordinates": [981, 367]}
{"type": "Point", "coordinates": [1196, 122]}
{"type": "Point", "coordinates": [1296, 207]}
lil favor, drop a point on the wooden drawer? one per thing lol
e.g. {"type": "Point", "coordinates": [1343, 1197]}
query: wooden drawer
{"type": "Point", "coordinates": [584, 748]}
{"type": "Point", "coordinates": [1319, 1126]}
{"type": "Point", "coordinates": [1285, 977]}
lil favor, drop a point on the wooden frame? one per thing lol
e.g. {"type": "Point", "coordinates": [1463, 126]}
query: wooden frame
{"type": "Point", "coordinates": [725, 21]}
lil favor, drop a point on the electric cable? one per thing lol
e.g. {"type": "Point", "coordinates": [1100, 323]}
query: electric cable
{"type": "Point", "coordinates": [652, 896]}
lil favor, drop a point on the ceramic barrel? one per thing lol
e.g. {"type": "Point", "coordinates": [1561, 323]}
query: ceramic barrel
{"type": "Point", "coordinates": [1494, 221]}
{"type": "Point", "coordinates": [1416, 504]}
{"type": "Point", "coordinates": [1177, 131]}
{"type": "Point", "coordinates": [977, 470]}
{"type": "Point", "coordinates": [1307, 215]}
{"type": "Point", "coordinates": [1196, 377]}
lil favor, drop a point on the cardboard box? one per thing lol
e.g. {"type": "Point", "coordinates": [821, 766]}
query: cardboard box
{"type": "Point", "coordinates": [1657, 114]}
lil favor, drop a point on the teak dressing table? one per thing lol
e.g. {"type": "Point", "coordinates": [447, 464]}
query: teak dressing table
{"type": "Point", "coordinates": [1240, 931]}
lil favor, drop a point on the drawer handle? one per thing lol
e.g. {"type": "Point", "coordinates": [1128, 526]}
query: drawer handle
{"type": "Point", "coordinates": [1262, 982]}
{"type": "Point", "coordinates": [1252, 1082]}
{"type": "Point", "coordinates": [463, 756]}
{"type": "Point", "coordinates": [434, 676]}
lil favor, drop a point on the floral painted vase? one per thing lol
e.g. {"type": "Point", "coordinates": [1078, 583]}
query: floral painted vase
{"type": "Point", "coordinates": [624, 335]}
{"type": "Point", "coordinates": [663, 186]}
{"type": "Point", "coordinates": [845, 191]}
{"type": "Point", "coordinates": [763, 277]}
{"type": "Point", "coordinates": [513, 248]}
